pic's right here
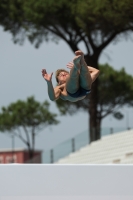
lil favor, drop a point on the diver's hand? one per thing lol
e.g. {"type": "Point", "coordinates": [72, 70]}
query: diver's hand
{"type": "Point", "coordinates": [70, 65]}
{"type": "Point", "coordinates": [46, 76]}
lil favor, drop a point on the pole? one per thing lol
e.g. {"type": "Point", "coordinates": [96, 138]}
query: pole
{"type": "Point", "coordinates": [12, 148]}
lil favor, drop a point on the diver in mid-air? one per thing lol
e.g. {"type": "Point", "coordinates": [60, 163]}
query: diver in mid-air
{"type": "Point", "coordinates": [74, 85]}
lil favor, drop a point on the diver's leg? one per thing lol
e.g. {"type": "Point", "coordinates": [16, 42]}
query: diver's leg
{"type": "Point", "coordinates": [72, 83]}
{"type": "Point", "coordinates": [85, 77]}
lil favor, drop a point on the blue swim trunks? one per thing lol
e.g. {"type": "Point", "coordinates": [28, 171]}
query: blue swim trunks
{"type": "Point", "coordinates": [80, 93]}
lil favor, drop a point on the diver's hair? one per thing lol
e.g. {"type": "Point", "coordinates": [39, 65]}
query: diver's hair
{"type": "Point", "coordinates": [58, 72]}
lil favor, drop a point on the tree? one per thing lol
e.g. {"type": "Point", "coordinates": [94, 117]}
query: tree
{"type": "Point", "coordinates": [95, 23]}
{"type": "Point", "coordinates": [26, 117]}
{"type": "Point", "coordinates": [115, 90]}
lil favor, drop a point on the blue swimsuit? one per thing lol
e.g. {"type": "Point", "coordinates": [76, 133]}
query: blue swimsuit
{"type": "Point", "coordinates": [80, 92]}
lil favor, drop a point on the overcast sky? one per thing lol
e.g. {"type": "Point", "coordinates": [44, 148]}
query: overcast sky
{"type": "Point", "coordinates": [21, 77]}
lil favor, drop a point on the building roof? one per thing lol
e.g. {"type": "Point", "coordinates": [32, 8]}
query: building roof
{"type": "Point", "coordinates": [114, 148]}
{"type": "Point", "coordinates": [17, 149]}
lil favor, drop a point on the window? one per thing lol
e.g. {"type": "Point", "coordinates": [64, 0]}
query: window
{"type": "Point", "coordinates": [10, 159]}
{"type": "Point", "coordinates": [1, 159]}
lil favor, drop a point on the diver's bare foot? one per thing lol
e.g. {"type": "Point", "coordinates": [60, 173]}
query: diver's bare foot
{"type": "Point", "coordinates": [76, 62]}
{"type": "Point", "coordinates": [79, 52]}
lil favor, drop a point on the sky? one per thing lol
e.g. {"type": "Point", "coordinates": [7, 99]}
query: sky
{"type": "Point", "coordinates": [20, 77]}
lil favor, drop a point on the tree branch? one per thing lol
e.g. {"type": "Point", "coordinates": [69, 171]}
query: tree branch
{"type": "Point", "coordinates": [27, 135]}
{"type": "Point", "coordinates": [103, 45]}
{"type": "Point", "coordinates": [91, 42]}
{"type": "Point", "coordinates": [71, 44]}
{"type": "Point", "coordinates": [112, 37]}
{"type": "Point", "coordinates": [20, 136]}
{"type": "Point", "coordinates": [82, 38]}
{"type": "Point", "coordinates": [110, 110]}
{"type": "Point", "coordinates": [56, 32]}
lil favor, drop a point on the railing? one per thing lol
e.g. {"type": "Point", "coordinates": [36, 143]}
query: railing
{"type": "Point", "coordinates": [74, 144]}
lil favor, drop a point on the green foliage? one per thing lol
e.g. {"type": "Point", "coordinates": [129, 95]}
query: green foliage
{"type": "Point", "coordinates": [95, 23]}
{"type": "Point", "coordinates": [115, 89]}
{"type": "Point", "coordinates": [118, 115]}
{"type": "Point", "coordinates": [30, 114]}
{"type": "Point", "coordinates": [49, 19]}
{"type": "Point", "coordinates": [102, 13]}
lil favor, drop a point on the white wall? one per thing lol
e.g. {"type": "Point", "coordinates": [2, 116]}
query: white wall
{"type": "Point", "coordinates": [42, 181]}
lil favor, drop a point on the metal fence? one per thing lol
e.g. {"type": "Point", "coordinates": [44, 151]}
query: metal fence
{"type": "Point", "coordinates": [74, 144]}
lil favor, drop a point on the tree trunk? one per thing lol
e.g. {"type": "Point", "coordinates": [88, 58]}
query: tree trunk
{"type": "Point", "coordinates": [94, 123]}
{"type": "Point", "coordinates": [94, 133]}
{"type": "Point", "coordinates": [30, 153]}
{"type": "Point", "coordinates": [31, 148]}
{"type": "Point", "coordinates": [33, 144]}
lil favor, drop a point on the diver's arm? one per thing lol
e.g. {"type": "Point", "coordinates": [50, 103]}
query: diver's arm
{"type": "Point", "coordinates": [94, 73]}
{"type": "Point", "coordinates": [53, 93]}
